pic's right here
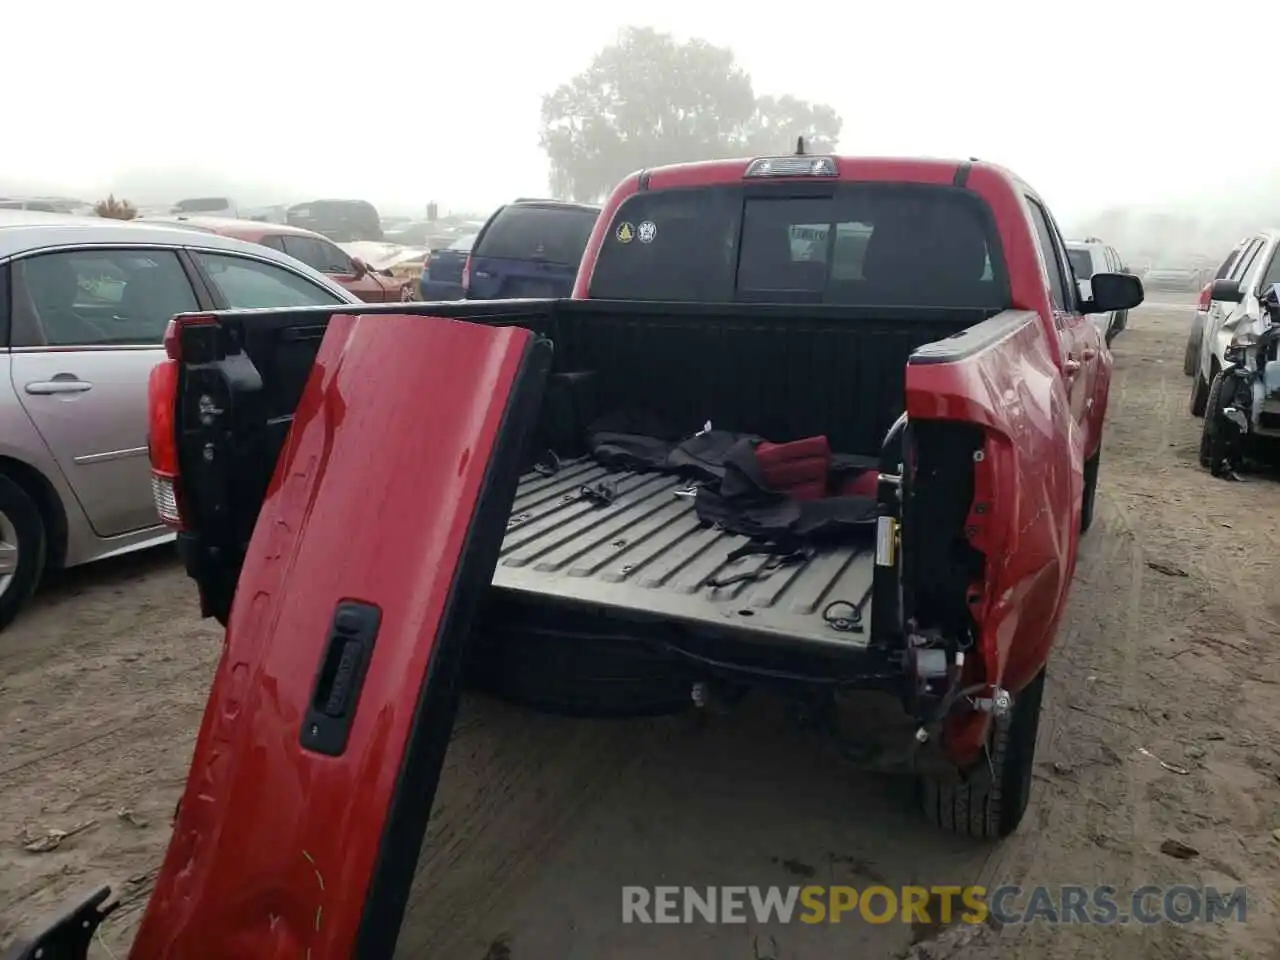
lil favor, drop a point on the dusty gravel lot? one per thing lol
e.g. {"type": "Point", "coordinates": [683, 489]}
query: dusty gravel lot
{"type": "Point", "coordinates": [1167, 648]}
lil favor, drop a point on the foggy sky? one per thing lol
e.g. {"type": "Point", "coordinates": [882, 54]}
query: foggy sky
{"type": "Point", "coordinates": [1094, 103]}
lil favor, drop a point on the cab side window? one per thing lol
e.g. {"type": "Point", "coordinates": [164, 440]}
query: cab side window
{"type": "Point", "coordinates": [1071, 292]}
{"type": "Point", "coordinates": [1052, 262]}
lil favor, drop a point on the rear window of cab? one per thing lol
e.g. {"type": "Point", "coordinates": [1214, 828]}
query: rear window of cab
{"type": "Point", "coordinates": [850, 243]}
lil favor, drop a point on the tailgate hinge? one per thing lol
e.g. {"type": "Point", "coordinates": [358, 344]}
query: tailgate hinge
{"type": "Point", "coordinates": [68, 937]}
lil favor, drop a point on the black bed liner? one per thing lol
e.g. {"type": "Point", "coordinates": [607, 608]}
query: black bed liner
{"type": "Point", "coordinates": [646, 555]}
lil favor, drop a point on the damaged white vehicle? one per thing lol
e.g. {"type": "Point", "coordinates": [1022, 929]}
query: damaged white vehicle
{"type": "Point", "coordinates": [1235, 310]}
{"type": "Point", "coordinates": [1244, 400]}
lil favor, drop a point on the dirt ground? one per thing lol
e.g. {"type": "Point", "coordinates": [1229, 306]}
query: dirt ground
{"type": "Point", "coordinates": [1161, 723]}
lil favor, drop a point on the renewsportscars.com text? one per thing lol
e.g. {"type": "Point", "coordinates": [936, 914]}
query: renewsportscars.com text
{"type": "Point", "coordinates": [937, 904]}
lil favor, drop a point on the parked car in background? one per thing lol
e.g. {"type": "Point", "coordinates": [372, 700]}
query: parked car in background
{"type": "Point", "coordinates": [1191, 358]}
{"type": "Point", "coordinates": [1173, 278]}
{"type": "Point", "coordinates": [339, 220]}
{"type": "Point", "coordinates": [317, 252]}
{"type": "Point", "coordinates": [411, 233]}
{"type": "Point", "coordinates": [1234, 311]}
{"type": "Point", "coordinates": [40, 206]}
{"type": "Point", "coordinates": [442, 270]}
{"type": "Point", "coordinates": [528, 248]}
{"type": "Point", "coordinates": [276, 213]}
{"type": "Point", "coordinates": [84, 302]}
{"type": "Point", "coordinates": [208, 206]}
{"type": "Point", "coordinates": [1092, 256]}
{"type": "Point", "coordinates": [46, 205]}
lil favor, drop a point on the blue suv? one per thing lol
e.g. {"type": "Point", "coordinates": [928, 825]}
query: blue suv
{"type": "Point", "coordinates": [442, 270]}
{"type": "Point", "coordinates": [529, 248]}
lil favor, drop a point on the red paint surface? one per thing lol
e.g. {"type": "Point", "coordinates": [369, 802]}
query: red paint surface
{"type": "Point", "coordinates": [1030, 475]}
{"type": "Point", "coordinates": [273, 850]}
{"type": "Point", "coordinates": [1041, 424]}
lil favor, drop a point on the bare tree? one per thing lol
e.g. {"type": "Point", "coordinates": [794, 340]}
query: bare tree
{"type": "Point", "coordinates": [115, 209]}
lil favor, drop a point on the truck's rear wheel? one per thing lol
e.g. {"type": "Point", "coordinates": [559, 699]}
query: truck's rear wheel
{"type": "Point", "coordinates": [990, 803]}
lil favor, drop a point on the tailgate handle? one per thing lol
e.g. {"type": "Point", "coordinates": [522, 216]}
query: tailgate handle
{"type": "Point", "coordinates": [347, 653]}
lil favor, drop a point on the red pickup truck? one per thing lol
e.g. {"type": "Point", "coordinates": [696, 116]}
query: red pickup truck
{"type": "Point", "coordinates": [814, 425]}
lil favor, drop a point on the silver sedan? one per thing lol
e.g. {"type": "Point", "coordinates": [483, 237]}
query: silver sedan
{"type": "Point", "coordinates": [84, 303]}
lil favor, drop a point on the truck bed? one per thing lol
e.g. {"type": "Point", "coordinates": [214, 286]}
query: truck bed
{"type": "Point", "coordinates": [646, 555]}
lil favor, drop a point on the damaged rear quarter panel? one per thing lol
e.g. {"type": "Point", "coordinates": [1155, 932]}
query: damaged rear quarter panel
{"type": "Point", "coordinates": [1007, 382]}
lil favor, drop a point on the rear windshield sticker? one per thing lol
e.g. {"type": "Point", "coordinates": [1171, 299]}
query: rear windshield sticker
{"type": "Point", "coordinates": [648, 230]}
{"type": "Point", "coordinates": [625, 232]}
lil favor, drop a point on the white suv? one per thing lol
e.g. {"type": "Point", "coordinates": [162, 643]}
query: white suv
{"type": "Point", "coordinates": [1235, 308]}
{"type": "Point", "coordinates": [1090, 256]}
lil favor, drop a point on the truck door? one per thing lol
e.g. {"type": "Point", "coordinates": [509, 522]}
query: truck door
{"type": "Point", "coordinates": [321, 745]}
{"type": "Point", "coordinates": [1081, 342]}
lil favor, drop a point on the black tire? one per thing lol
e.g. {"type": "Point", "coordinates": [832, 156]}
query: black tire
{"type": "Point", "coordinates": [1199, 395]}
{"type": "Point", "coordinates": [1090, 490]}
{"type": "Point", "coordinates": [22, 514]}
{"type": "Point", "coordinates": [990, 803]}
{"type": "Point", "coordinates": [1212, 440]}
{"type": "Point", "coordinates": [578, 677]}
{"type": "Point", "coordinates": [1191, 359]}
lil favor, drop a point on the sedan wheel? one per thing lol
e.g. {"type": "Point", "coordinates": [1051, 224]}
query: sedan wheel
{"type": "Point", "coordinates": [10, 553]}
{"type": "Point", "coordinates": [22, 549]}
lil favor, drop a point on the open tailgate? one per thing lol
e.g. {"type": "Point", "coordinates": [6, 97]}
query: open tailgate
{"type": "Point", "coordinates": [322, 741]}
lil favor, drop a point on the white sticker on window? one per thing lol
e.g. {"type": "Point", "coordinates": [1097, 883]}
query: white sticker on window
{"type": "Point", "coordinates": [647, 231]}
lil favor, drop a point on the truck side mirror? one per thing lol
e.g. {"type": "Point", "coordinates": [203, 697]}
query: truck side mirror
{"type": "Point", "coordinates": [1113, 291]}
{"type": "Point", "coordinates": [1226, 290]}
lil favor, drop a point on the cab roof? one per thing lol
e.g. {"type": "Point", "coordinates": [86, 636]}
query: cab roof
{"type": "Point", "coordinates": [849, 167]}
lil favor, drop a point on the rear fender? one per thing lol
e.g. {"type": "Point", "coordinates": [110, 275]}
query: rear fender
{"type": "Point", "coordinates": [1101, 398]}
{"type": "Point", "coordinates": [314, 771]}
{"type": "Point", "coordinates": [1027, 478]}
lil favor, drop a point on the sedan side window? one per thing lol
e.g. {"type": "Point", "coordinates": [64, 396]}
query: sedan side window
{"type": "Point", "coordinates": [248, 284]}
{"type": "Point", "coordinates": [98, 297]}
{"type": "Point", "coordinates": [319, 255]}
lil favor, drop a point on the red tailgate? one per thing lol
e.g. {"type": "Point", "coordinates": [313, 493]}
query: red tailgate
{"type": "Point", "coordinates": [310, 790]}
